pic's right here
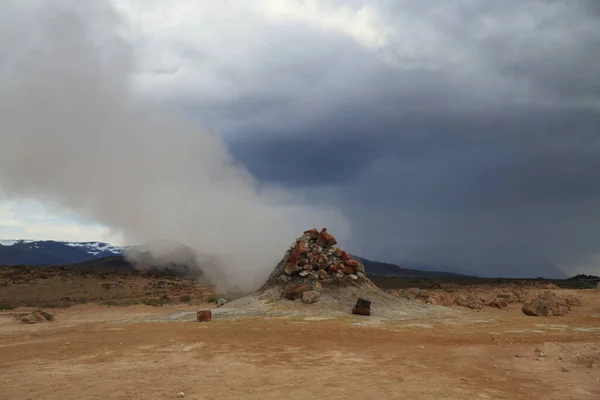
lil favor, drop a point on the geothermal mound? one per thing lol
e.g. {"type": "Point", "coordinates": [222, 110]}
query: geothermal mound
{"type": "Point", "coordinates": [313, 258]}
{"type": "Point", "coordinates": [317, 277]}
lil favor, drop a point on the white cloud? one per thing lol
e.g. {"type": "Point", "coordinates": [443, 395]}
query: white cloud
{"type": "Point", "coordinates": [33, 220]}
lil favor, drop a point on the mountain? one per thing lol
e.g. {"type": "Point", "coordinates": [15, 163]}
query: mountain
{"type": "Point", "coordinates": [50, 252]}
{"type": "Point", "coordinates": [375, 268]}
{"type": "Point", "coordinates": [100, 255]}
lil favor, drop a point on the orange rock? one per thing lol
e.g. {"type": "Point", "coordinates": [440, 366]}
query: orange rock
{"type": "Point", "coordinates": [325, 239]}
{"type": "Point", "coordinates": [322, 274]}
{"type": "Point", "coordinates": [345, 256]}
{"type": "Point", "coordinates": [292, 259]}
{"type": "Point", "coordinates": [352, 263]}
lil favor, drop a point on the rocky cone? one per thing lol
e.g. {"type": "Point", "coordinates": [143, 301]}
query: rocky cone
{"type": "Point", "coordinates": [312, 261]}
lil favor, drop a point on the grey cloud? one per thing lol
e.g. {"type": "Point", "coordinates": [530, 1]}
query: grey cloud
{"type": "Point", "coordinates": [494, 171]}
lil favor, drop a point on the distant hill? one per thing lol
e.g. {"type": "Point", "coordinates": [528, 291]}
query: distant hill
{"type": "Point", "coordinates": [375, 268]}
{"type": "Point", "coordinates": [50, 252]}
{"type": "Point", "coordinates": [104, 256]}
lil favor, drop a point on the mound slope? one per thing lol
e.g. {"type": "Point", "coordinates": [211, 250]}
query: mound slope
{"type": "Point", "coordinates": [316, 277]}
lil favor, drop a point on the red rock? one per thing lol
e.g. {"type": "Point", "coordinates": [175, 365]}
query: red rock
{"type": "Point", "coordinates": [312, 233]}
{"type": "Point", "coordinates": [308, 267]}
{"type": "Point", "coordinates": [204, 315]}
{"type": "Point", "coordinates": [302, 248]}
{"type": "Point", "coordinates": [345, 256]}
{"type": "Point", "coordinates": [335, 268]}
{"type": "Point", "coordinates": [352, 263]}
{"type": "Point", "coordinates": [325, 239]}
{"type": "Point", "coordinates": [322, 274]}
{"type": "Point", "coordinates": [347, 270]}
{"type": "Point", "coordinates": [338, 252]}
{"type": "Point", "coordinates": [294, 293]}
{"type": "Point", "coordinates": [293, 258]}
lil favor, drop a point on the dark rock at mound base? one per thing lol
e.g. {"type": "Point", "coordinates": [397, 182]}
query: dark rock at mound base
{"type": "Point", "coordinates": [362, 307]}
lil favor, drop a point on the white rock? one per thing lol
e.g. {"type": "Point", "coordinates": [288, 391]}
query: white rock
{"type": "Point", "coordinates": [304, 273]}
{"type": "Point", "coordinates": [353, 277]}
{"type": "Point", "coordinates": [180, 395]}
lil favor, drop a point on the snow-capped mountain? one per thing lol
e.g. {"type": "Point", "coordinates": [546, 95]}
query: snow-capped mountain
{"type": "Point", "coordinates": [50, 252]}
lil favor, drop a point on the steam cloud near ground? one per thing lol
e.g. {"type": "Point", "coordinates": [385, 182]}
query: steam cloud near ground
{"type": "Point", "coordinates": [75, 136]}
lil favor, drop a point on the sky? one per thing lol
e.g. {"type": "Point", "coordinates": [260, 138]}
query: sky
{"type": "Point", "coordinates": [459, 134]}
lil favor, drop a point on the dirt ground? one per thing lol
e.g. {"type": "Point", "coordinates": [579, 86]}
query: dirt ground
{"type": "Point", "coordinates": [141, 352]}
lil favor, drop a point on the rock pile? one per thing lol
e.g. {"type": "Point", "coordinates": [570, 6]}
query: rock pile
{"type": "Point", "coordinates": [535, 302]}
{"type": "Point", "coordinates": [312, 263]}
{"type": "Point", "coordinates": [314, 256]}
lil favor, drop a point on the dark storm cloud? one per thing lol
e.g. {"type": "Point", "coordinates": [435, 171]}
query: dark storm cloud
{"type": "Point", "coordinates": [494, 170]}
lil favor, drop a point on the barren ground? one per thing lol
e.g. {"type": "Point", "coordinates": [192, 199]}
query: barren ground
{"type": "Point", "coordinates": [142, 352]}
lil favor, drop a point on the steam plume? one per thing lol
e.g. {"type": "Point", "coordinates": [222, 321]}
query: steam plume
{"type": "Point", "coordinates": [73, 134]}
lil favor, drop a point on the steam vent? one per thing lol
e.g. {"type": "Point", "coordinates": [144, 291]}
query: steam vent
{"type": "Point", "coordinates": [316, 278]}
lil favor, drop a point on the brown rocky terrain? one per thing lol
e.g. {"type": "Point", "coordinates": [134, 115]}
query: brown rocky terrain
{"type": "Point", "coordinates": [57, 287]}
{"type": "Point", "coordinates": [62, 335]}
{"type": "Point", "coordinates": [142, 352]}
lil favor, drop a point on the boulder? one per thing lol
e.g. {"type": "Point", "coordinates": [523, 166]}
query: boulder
{"type": "Point", "coordinates": [310, 297]}
{"type": "Point", "coordinates": [204, 315]}
{"type": "Point", "coordinates": [362, 307]}
{"type": "Point", "coordinates": [37, 316]}
{"type": "Point", "coordinates": [29, 319]}
{"type": "Point", "coordinates": [545, 305]}
{"type": "Point", "coordinates": [536, 307]}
